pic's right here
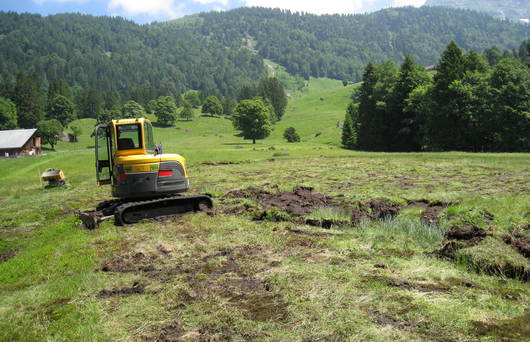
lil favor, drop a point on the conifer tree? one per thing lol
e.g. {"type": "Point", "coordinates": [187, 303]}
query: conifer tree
{"type": "Point", "coordinates": [403, 125]}
{"type": "Point", "coordinates": [29, 99]}
{"type": "Point", "coordinates": [272, 90]}
{"type": "Point", "coordinates": [367, 105]}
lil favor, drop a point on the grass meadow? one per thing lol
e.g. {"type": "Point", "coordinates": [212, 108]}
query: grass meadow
{"type": "Point", "coordinates": [250, 272]}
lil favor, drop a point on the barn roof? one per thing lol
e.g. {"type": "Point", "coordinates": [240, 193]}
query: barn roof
{"type": "Point", "coordinates": [15, 138]}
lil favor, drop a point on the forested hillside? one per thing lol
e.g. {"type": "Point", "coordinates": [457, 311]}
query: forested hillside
{"type": "Point", "coordinates": [512, 9]}
{"type": "Point", "coordinates": [339, 46]}
{"type": "Point", "coordinates": [217, 52]}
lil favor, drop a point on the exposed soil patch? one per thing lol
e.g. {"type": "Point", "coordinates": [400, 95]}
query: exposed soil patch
{"type": "Point", "coordinates": [6, 255]}
{"type": "Point", "coordinates": [294, 206]}
{"type": "Point", "coordinates": [509, 330]}
{"type": "Point", "coordinates": [421, 287]}
{"type": "Point", "coordinates": [170, 333]}
{"type": "Point", "coordinates": [326, 223]}
{"type": "Point", "coordinates": [382, 208]}
{"type": "Point", "coordinates": [523, 245]}
{"type": "Point", "coordinates": [469, 232]}
{"type": "Point", "coordinates": [384, 319]}
{"type": "Point", "coordinates": [130, 263]}
{"type": "Point", "coordinates": [431, 210]}
{"type": "Point", "coordinates": [300, 202]}
{"type": "Point", "coordinates": [303, 232]}
{"type": "Point", "coordinates": [220, 163]}
{"type": "Point", "coordinates": [136, 288]}
{"type": "Point", "coordinates": [413, 286]}
{"type": "Point", "coordinates": [460, 237]}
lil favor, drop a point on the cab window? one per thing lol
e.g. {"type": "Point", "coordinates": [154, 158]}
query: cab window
{"type": "Point", "coordinates": [149, 140]}
{"type": "Point", "coordinates": [129, 136]}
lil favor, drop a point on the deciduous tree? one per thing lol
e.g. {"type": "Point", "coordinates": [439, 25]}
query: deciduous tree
{"type": "Point", "coordinates": [132, 109]}
{"type": "Point", "coordinates": [165, 110]}
{"type": "Point", "coordinates": [50, 131]}
{"type": "Point", "coordinates": [8, 114]}
{"type": "Point", "coordinates": [251, 117]}
{"type": "Point", "coordinates": [212, 106]}
{"type": "Point", "coordinates": [62, 109]}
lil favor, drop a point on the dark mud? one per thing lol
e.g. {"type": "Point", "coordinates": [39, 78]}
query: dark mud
{"type": "Point", "coordinates": [469, 232]}
{"type": "Point", "coordinates": [6, 255]}
{"type": "Point", "coordinates": [404, 284]}
{"type": "Point", "coordinates": [510, 330]}
{"type": "Point", "coordinates": [303, 232]}
{"type": "Point", "coordinates": [301, 201]}
{"type": "Point", "coordinates": [523, 245]}
{"type": "Point", "coordinates": [382, 208]}
{"type": "Point", "coordinates": [136, 288]}
{"type": "Point", "coordinates": [382, 319]}
{"type": "Point", "coordinates": [460, 237]}
{"type": "Point", "coordinates": [421, 287]}
{"type": "Point", "coordinates": [431, 210]}
{"type": "Point", "coordinates": [130, 263]}
{"type": "Point", "coordinates": [294, 206]}
{"type": "Point", "coordinates": [170, 333]}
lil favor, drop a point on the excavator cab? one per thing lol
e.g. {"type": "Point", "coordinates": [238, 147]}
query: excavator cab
{"type": "Point", "coordinates": [127, 158]}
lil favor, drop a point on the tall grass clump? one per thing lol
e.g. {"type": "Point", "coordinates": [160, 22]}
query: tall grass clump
{"type": "Point", "coordinates": [403, 232]}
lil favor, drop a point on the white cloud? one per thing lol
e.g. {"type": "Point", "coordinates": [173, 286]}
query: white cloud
{"type": "Point", "coordinates": [222, 2]}
{"type": "Point", "coordinates": [415, 3]}
{"type": "Point", "coordinates": [316, 7]}
{"type": "Point", "coordinates": [166, 8]}
{"type": "Point", "coordinates": [328, 6]}
{"type": "Point", "coordinates": [40, 2]}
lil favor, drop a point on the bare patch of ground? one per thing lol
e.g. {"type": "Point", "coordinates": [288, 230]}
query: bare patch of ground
{"type": "Point", "coordinates": [523, 245]}
{"type": "Point", "coordinates": [509, 330]}
{"type": "Point", "coordinates": [136, 288]}
{"type": "Point", "coordinates": [6, 255]}
{"type": "Point", "coordinates": [294, 206]}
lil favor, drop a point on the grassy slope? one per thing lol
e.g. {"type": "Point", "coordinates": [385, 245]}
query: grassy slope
{"type": "Point", "coordinates": [226, 276]}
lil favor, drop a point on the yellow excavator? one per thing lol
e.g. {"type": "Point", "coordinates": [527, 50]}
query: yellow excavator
{"type": "Point", "coordinates": [146, 182]}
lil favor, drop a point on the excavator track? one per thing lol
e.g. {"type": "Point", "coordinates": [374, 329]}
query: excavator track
{"type": "Point", "coordinates": [132, 212]}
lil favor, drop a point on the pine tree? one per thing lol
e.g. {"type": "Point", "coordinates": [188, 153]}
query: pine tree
{"type": "Point", "coordinates": [402, 128]}
{"type": "Point", "coordinates": [367, 107]}
{"type": "Point", "coordinates": [272, 90]}
{"type": "Point", "coordinates": [29, 99]}
{"type": "Point", "coordinates": [451, 67]}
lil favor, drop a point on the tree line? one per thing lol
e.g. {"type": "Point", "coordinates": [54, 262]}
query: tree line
{"type": "Point", "coordinates": [25, 104]}
{"type": "Point", "coordinates": [472, 102]}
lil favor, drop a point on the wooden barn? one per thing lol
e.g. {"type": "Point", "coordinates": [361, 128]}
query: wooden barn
{"type": "Point", "coordinates": [19, 142]}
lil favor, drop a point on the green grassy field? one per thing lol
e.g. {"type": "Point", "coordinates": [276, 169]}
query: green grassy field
{"type": "Point", "coordinates": [249, 271]}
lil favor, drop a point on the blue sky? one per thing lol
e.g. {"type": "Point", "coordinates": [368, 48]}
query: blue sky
{"type": "Point", "coordinates": [143, 11]}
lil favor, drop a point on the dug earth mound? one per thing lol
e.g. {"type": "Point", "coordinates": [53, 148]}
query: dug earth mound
{"type": "Point", "coordinates": [299, 205]}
